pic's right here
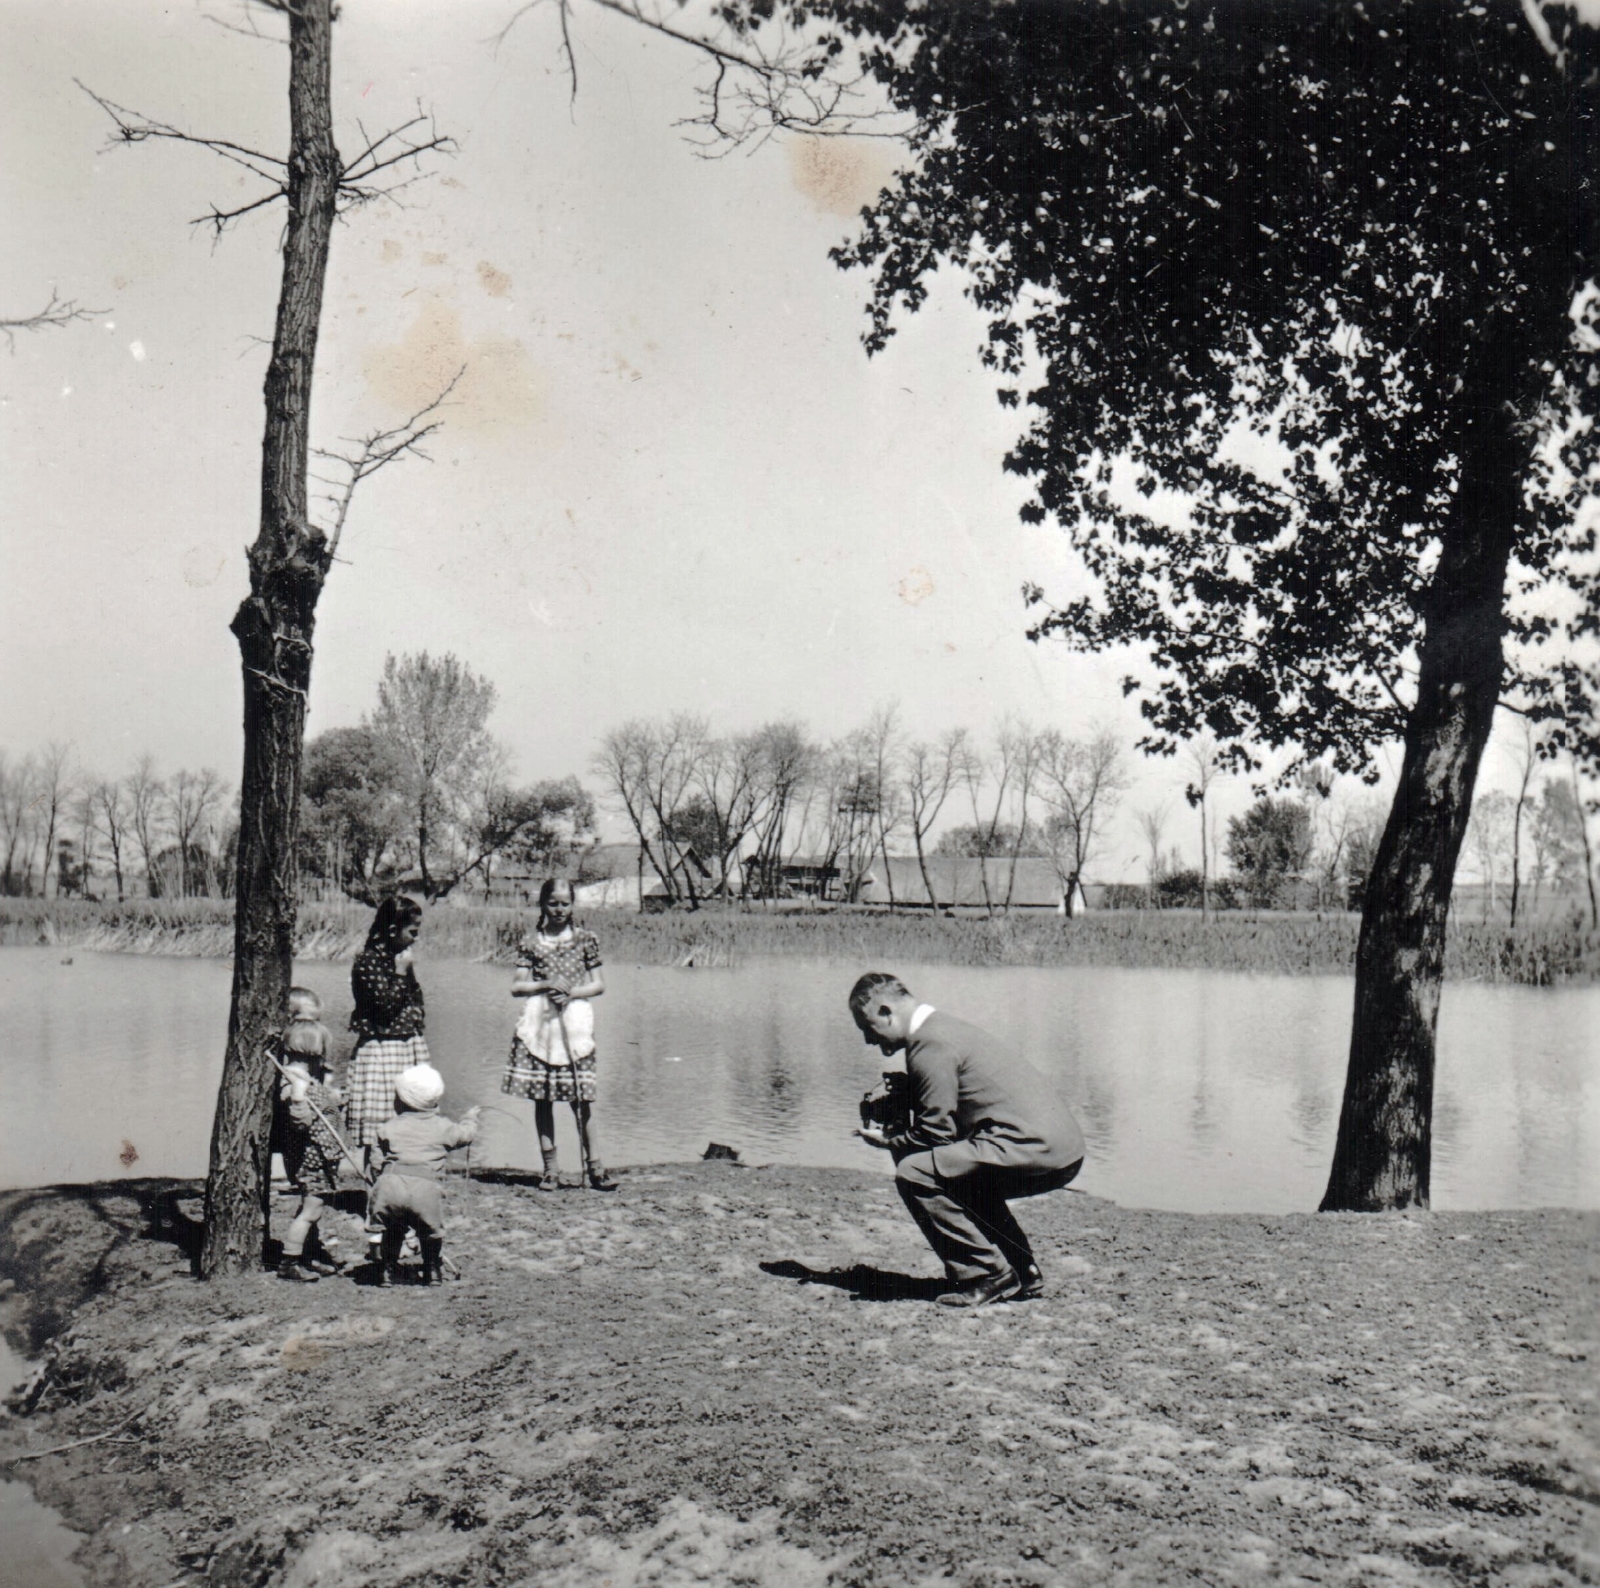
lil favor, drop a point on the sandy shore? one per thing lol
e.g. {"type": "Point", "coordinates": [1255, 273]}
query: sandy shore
{"type": "Point", "coordinates": [735, 1377]}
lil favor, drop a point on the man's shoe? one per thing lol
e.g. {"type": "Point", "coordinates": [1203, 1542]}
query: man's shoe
{"type": "Point", "coordinates": [293, 1268]}
{"type": "Point", "coordinates": [1032, 1286]}
{"type": "Point", "coordinates": [983, 1290]}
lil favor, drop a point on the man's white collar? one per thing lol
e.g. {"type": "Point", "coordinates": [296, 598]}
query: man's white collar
{"type": "Point", "coordinates": [918, 1015]}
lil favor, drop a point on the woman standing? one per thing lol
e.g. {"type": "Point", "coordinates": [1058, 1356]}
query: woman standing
{"type": "Point", "coordinates": [552, 1054]}
{"type": "Point", "coordinates": [387, 1020]}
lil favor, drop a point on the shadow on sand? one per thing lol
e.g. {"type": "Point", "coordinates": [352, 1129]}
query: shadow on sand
{"type": "Point", "coordinates": [864, 1282]}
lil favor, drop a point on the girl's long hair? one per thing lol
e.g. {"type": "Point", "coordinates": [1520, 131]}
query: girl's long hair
{"type": "Point", "coordinates": [548, 887]}
{"type": "Point", "coordinates": [396, 911]}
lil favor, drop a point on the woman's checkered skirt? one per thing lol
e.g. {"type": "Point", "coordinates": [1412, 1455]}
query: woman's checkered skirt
{"type": "Point", "coordinates": [375, 1067]}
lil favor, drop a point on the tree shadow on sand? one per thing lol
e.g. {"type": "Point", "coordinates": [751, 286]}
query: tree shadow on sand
{"type": "Point", "coordinates": [864, 1282]}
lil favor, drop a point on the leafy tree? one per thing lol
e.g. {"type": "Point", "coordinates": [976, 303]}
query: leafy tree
{"type": "Point", "coordinates": [1270, 847]}
{"type": "Point", "coordinates": [1490, 830]}
{"type": "Point", "coordinates": [1557, 832]}
{"type": "Point", "coordinates": [354, 812]}
{"type": "Point", "coordinates": [557, 826]}
{"type": "Point", "coordinates": [980, 841]}
{"type": "Point", "coordinates": [1321, 270]}
{"type": "Point", "coordinates": [432, 720]}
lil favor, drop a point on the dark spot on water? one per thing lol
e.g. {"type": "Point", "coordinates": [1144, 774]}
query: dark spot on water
{"type": "Point", "coordinates": [129, 1155]}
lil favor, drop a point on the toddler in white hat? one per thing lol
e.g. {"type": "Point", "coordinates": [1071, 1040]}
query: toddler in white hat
{"type": "Point", "coordinates": [414, 1144]}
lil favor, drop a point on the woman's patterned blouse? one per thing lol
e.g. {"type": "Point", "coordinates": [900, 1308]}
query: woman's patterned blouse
{"type": "Point", "coordinates": [387, 1003]}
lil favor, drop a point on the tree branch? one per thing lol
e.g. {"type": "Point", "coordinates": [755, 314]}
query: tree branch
{"type": "Point", "coordinates": [375, 451]}
{"type": "Point", "coordinates": [57, 312]}
{"type": "Point", "coordinates": [761, 84]}
{"type": "Point", "coordinates": [383, 153]}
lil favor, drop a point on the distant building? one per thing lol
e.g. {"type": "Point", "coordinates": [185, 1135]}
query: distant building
{"type": "Point", "coordinates": [798, 877]}
{"type": "Point", "coordinates": [958, 883]}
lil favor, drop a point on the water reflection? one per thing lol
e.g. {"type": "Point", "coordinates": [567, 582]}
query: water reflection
{"type": "Point", "coordinates": [1195, 1090]}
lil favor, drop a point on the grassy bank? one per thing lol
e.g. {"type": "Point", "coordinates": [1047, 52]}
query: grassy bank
{"type": "Point", "coordinates": [1539, 953]}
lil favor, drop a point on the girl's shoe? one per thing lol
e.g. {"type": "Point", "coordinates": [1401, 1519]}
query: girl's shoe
{"type": "Point", "coordinates": [599, 1180]}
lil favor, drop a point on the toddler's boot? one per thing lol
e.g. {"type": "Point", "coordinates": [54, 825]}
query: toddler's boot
{"type": "Point", "coordinates": [389, 1257]}
{"type": "Point", "coordinates": [319, 1259]}
{"type": "Point", "coordinates": [432, 1260]}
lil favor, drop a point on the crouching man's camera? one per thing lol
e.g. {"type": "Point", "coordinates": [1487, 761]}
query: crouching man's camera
{"type": "Point", "coordinates": [887, 1106]}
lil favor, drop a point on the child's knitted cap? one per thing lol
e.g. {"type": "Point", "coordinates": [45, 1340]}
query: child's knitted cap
{"type": "Point", "coordinates": [419, 1087]}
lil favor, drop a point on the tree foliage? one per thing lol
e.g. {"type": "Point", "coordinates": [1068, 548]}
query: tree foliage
{"type": "Point", "coordinates": [1274, 258]}
{"type": "Point", "coordinates": [432, 720]}
{"type": "Point", "coordinates": [1270, 847]}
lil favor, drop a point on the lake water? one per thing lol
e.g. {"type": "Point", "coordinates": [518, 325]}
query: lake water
{"type": "Point", "coordinates": [1197, 1091]}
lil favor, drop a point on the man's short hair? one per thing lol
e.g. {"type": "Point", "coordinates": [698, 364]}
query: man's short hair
{"type": "Point", "coordinates": [874, 984]}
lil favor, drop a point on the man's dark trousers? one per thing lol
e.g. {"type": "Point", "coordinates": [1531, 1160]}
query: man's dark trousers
{"type": "Point", "coordinates": [964, 1216]}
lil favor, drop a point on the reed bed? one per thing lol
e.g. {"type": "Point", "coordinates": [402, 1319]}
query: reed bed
{"type": "Point", "coordinates": [1540, 953]}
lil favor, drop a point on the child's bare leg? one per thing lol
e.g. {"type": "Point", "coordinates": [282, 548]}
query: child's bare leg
{"type": "Point", "coordinates": [305, 1220]}
{"type": "Point", "coordinates": [544, 1122]}
{"type": "Point", "coordinates": [292, 1263]}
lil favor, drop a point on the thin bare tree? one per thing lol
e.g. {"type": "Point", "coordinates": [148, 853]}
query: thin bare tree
{"type": "Point", "coordinates": [1583, 808]}
{"type": "Point", "coordinates": [289, 563]}
{"type": "Point", "coordinates": [193, 802]}
{"type": "Point", "coordinates": [111, 815]}
{"type": "Point", "coordinates": [928, 775]}
{"type": "Point", "coordinates": [147, 801]}
{"type": "Point", "coordinates": [1525, 758]}
{"type": "Point", "coordinates": [1204, 769]}
{"type": "Point", "coordinates": [1151, 821]}
{"type": "Point", "coordinates": [788, 767]}
{"type": "Point", "coordinates": [1081, 781]}
{"type": "Point", "coordinates": [881, 740]}
{"type": "Point", "coordinates": [54, 788]}
{"type": "Point", "coordinates": [17, 783]}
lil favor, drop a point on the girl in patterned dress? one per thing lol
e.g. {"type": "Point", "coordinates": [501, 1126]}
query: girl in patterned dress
{"type": "Point", "coordinates": [552, 1054]}
{"type": "Point", "coordinates": [312, 1152]}
{"type": "Point", "coordinates": [387, 1020]}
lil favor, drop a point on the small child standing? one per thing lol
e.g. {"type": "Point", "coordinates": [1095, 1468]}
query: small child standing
{"type": "Point", "coordinates": [413, 1144]}
{"type": "Point", "coordinates": [312, 1152]}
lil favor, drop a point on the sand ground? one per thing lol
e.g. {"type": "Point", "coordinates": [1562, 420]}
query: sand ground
{"type": "Point", "coordinates": [731, 1376]}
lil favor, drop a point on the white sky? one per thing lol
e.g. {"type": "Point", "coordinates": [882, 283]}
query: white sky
{"type": "Point", "coordinates": [672, 478]}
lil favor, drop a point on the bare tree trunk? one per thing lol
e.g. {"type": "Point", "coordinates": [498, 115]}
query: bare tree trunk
{"type": "Point", "coordinates": [1382, 1156]}
{"type": "Point", "coordinates": [1588, 852]}
{"type": "Point", "coordinates": [274, 625]}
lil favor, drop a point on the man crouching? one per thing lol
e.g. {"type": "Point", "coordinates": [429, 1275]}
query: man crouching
{"type": "Point", "coordinates": [984, 1127]}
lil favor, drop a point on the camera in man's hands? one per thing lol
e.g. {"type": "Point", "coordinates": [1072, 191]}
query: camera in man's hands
{"type": "Point", "coordinates": [887, 1107]}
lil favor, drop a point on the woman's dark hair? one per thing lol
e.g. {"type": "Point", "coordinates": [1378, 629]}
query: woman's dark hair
{"type": "Point", "coordinates": [397, 911]}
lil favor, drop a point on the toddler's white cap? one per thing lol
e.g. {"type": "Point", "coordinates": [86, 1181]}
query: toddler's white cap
{"type": "Point", "coordinates": [419, 1087]}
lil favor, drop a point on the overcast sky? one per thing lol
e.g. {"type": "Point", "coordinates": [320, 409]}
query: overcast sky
{"type": "Point", "coordinates": [670, 478]}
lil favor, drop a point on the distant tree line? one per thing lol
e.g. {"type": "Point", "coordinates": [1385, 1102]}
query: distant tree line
{"type": "Point", "coordinates": [68, 832]}
{"type": "Point", "coordinates": [719, 815]}
{"type": "Point", "coordinates": [419, 795]}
